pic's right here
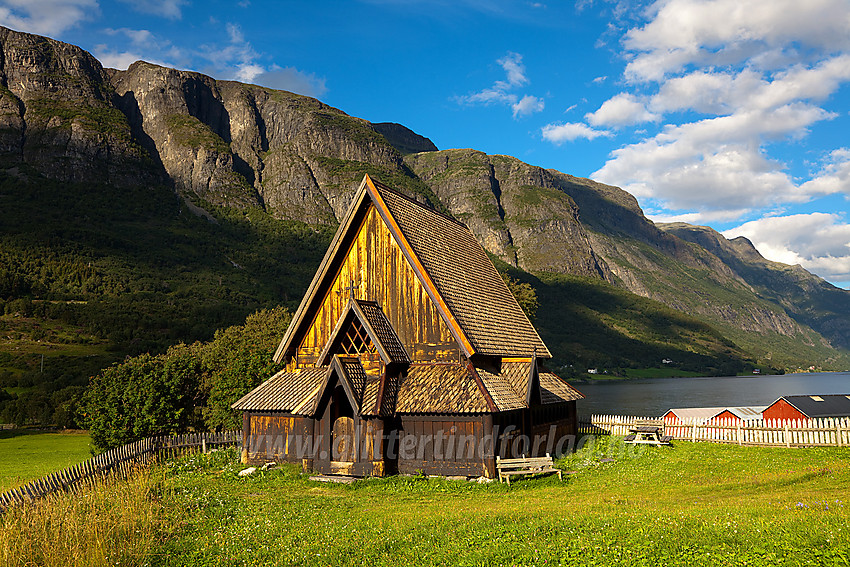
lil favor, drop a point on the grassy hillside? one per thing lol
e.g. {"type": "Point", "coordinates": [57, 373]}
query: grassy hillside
{"type": "Point", "coordinates": [587, 323]}
{"type": "Point", "coordinates": [90, 274]}
{"type": "Point", "coordinates": [692, 504]}
{"type": "Point", "coordinates": [756, 324]}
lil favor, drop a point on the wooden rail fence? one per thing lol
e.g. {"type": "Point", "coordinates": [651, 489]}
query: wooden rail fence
{"type": "Point", "coordinates": [824, 432]}
{"type": "Point", "coordinates": [120, 461]}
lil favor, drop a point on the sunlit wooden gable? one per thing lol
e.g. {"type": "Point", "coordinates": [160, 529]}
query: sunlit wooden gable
{"type": "Point", "coordinates": [438, 289]}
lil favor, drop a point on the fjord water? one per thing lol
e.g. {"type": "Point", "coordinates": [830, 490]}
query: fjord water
{"type": "Point", "coordinates": [654, 396]}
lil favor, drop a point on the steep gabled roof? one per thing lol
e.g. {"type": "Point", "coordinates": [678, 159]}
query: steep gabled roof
{"type": "Point", "coordinates": [465, 279]}
{"type": "Point", "coordinates": [458, 276]}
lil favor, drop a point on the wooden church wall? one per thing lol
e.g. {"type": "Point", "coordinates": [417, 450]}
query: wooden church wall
{"type": "Point", "coordinates": [275, 437]}
{"type": "Point", "coordinates": [449, 445]}
{"type": "Point", "coordinates": [446, 445]}
{"type": "Point", "coordinates": [378, 267]}
{"type": "Point", "coordinates": [549, 428]}
{"type": "Point", "coordinates": [558, 421]}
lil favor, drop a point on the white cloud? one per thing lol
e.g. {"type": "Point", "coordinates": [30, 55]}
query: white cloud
{"type": "Point", "coordinates": [115, 59]}
{"type": "Point", "coordinates": [142, 38]}
{"type": "Point", "coordinates": [143, 45]}
{"type": "Point", "coordinates": [621, 110]}
{"type": "Point", "coordinates": [501, 92]}
{"type": "Point", "coordinates": [690, 218]}
{"type": "Point", "coordinates": [570, 131]}
{"type": "Point", "coordinates": [759, 73]}
{"type": "Point", "coordinates": [834, 175]}
{"type": "Point", "coordinates": [527, 105]}
{"type": "Point", "coordinates": [515, 70]}
{"type": "Point", "coordinates": [717, 32]}
{"type": "Point", "coordinates": [291, 79]}
{"type": "Point", "coordinates": [45, 17]}
{"type": "Point", "coordinates": [490, 95]}
{"type": "Point", "coordinates": [820, 242]}
{"type": "Point", "coordinates": [238, 60]}
{"type": "Point", "coordinates": [715, 165]}
{"type": "Point", "coordinates": [707, 92]}
{"type": "Point", "coordinates": [169, 9]}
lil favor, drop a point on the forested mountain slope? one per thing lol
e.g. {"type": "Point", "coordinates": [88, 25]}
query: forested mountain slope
{"type": "Point", "coordinates": [145, 207]}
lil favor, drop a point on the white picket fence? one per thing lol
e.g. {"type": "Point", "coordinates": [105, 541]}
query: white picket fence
{"type": "Point", "coordinates": [614, 424]}
{"type": "Point", "coordinates": [827, 432]}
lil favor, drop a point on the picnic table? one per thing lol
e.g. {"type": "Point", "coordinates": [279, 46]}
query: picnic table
{"type": "Point", "coordinates": [647, 435]}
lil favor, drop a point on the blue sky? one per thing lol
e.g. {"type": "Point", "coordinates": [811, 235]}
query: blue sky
{"type": "Point", "coordinates": [727, 113]}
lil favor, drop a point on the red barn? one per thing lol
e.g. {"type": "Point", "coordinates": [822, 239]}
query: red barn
{"type": "Point", "coordinates": [809, 407]}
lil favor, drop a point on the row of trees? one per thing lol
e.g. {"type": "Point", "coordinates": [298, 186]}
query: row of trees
{"type": "Point", "coordinates": [189, 386]}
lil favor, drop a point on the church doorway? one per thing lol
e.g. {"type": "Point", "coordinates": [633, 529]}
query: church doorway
{"type": "Point", "coordinates": [343, 442]}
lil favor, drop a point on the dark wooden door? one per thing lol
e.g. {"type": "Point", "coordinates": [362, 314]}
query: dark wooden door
{"type": "Point", "coordinates": [343, 439]}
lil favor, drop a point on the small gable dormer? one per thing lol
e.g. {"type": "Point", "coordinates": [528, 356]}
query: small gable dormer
{"type": "Point", "coordinates": [364, 331]}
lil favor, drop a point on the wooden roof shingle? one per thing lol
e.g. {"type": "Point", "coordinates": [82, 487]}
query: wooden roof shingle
{"type": "Point", "coordinates": [446, 388]}
{"type": "Point", "coordinates": [377, 323]}
{"type": "Point", "coordinates": [554, 389]}
{"type": "Point", "coordinates": [503, 394]}
{"type": "Point", "coordinates": [466, 279]}
{"type": "Point", "coordinates": [294, 392]}
{"type": "Point", "coordinates": [440, 388]}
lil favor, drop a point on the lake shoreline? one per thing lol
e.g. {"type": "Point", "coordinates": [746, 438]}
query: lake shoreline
{"type": "Point", "coordinates": [654, 396]}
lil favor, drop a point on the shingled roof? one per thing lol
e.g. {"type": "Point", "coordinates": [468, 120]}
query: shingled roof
{"type": "Point", "coordinates": [432, 388]}
{"type": "Point", "coordinates": [467, 290]}
{"type": "Point", "coordinates": [292, 392]}
{"type": "Point", "coordinates": [554, 389]}
{"type": "Point", "coordinates": [466, 279]}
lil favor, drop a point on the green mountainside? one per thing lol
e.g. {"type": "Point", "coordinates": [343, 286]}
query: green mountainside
{"type": "Point", "coordinates": [148, 207]}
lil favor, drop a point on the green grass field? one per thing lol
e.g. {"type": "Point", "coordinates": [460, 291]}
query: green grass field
{"type": "Point", "coordinates": [26, 456]}
{"type": "Point", "coordinates": [692, 504]}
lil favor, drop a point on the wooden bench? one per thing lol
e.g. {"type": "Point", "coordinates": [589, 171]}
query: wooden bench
{"type": "Point", "coordinates": [525, 465]}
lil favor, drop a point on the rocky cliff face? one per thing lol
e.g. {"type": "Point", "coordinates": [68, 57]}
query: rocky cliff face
{"type": "Point", "coordinates": [804, 297]}
{"type": "Point", "coordinates": [402, 138]}
{"type": "Point", "coordinates": [517, 211]}
{"type": "Point", "coordinates": [57, 114]}
{"type": "Point", "coordinates": [545, 220]}
{"type": "Point", "coordinates": [239, 145]}
{"type": "Point", "coordinates": [226, 143]}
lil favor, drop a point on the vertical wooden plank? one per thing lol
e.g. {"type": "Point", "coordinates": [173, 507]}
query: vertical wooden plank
{"type": "Point", "coordinates": [477, 431]}
{"type": "Point", "coordinates": [428, 438]}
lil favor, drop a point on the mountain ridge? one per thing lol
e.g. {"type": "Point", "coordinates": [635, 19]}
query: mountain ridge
{"type": "Point", "coordinates": [228, 146]}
